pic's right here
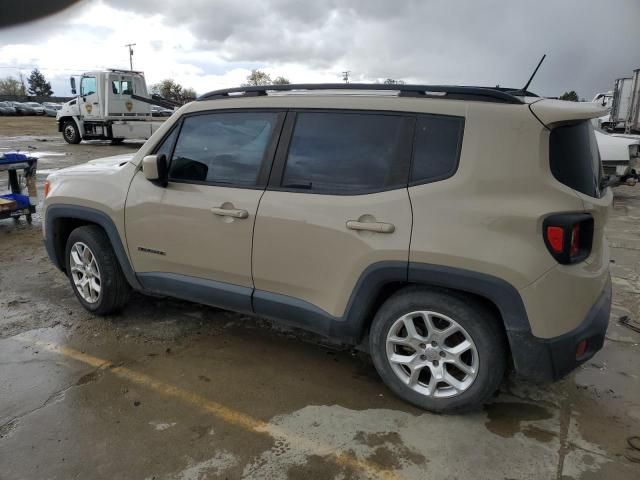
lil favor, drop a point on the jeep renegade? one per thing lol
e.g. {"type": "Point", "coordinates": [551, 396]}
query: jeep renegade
{"type": "Point", "coordinates": [454, 231]}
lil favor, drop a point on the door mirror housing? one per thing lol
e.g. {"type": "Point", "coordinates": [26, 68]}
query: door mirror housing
{"type": "Point", "coordinates": [73, 85]}
{"type": "Point", "coordinates": [154, 168]}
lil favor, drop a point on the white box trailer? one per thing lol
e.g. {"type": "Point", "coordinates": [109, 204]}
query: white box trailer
{"type": "Point", "coordinates": [633, 120]}
{"type": "Point", "coordinates": [621, 106]}
{"type": "Point", "coordinates": [111, 105]}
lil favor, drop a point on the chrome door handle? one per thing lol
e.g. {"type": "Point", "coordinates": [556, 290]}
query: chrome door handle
{"type": "Point", "coordinates": [230, 212]}
{"type": "Point", "coordinates": [378, 227]}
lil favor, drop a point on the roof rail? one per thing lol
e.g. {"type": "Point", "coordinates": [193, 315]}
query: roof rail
{"type": "Point", "coordinates": [480, 94]}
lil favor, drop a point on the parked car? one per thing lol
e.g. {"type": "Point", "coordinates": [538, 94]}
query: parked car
{"type": "Point", "coordinates": [7, 109]}
{"type": "Point", "coordinates": [23, 108]}
{"type": "Point", "coordinates": [452, 232]}
{"type": "Point", "coordinates": [160, 112]}
{"type": "Point", "coordinates": [620, 156]}
{"type": "Point", "coordinates": [51, 109]}
{"type": "Point", "coordinates": [37, 108]}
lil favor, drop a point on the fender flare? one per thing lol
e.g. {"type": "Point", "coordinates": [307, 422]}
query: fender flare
{"type": "Point", "coordinates": [91, 215]}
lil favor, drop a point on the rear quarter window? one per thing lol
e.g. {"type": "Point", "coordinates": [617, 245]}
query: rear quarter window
{"type": "Point", "coordinates": [574, 157]}
{"type": "Point", "coordinates": [436, 148]}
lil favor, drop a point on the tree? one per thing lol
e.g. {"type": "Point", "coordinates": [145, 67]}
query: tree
{"type": "Point", "coordinates": [571, 96]}
{"type": "Point", "coordinates": [281, 81]}
{"type": "Point", "coordinates": [172, 90]}
{"type": "Point", "coordinates": [259, 78]}
{"type": "Point", "coordinates": [391, 81]}
{"type": "Point", "coordinates": [38, 85]}
{"type": "Point", "coordinates": [11, 86]}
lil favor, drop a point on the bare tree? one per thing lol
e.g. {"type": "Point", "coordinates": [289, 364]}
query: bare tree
{"type": "Point", "coordinates": [11, 86]}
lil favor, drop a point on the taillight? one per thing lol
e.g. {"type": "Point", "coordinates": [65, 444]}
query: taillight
{"type": "Point", "coordinates": [569, 236]}
{"type": "Point", "coordinates": [47, 187]}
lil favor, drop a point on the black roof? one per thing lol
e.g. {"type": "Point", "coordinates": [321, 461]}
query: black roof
{"type": "Point", "coordinates": [481, 94]}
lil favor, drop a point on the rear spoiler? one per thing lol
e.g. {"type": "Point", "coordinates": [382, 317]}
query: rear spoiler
{"type": "Point", "coordinates": [549, 112]}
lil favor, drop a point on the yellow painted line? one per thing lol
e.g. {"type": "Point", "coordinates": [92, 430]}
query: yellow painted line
{"type": "Point", "coordinates": [226, 414]}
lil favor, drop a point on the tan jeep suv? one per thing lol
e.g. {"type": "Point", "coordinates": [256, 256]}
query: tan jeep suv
{"type": "Point", "coordinates": [453, 231]}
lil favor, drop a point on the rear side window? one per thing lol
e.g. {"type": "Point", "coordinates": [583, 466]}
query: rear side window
{"type": "Point", "coordinates": [342, 153]}
{"type": "Point", "coordinates": [574, 157]}
{"type": "Point", "coordinates": [436, 148]}
{"type": "Point", "coordinates": [222, 148]}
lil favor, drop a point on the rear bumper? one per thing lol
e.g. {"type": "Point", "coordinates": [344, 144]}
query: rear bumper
{"type": "Point", "coordinates": [548, 359]}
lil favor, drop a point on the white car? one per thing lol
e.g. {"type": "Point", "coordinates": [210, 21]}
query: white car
{"type": "Point", "coordinates": [620, 155]}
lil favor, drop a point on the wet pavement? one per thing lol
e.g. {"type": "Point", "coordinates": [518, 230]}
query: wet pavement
{"type": "Point", "coordinates": [173, 390]}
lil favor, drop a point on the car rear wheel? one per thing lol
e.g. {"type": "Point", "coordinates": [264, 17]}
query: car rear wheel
{"type": "Point", "coordinates": [70, 132]}
{"type": "Point", "coordinates": [94, 272]}
{"type": "Point", "coordinates": [439, 350]}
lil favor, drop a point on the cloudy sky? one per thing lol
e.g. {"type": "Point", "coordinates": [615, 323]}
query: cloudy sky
{"type": "Point", "coordinates": [209, 44]}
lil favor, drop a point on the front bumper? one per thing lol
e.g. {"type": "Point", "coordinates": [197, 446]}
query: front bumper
{"type": "Point", "coordinates": [548, 359]}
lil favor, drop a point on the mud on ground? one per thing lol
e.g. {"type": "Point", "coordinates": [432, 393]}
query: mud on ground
{"type": "Point", "coordinates": [169, 389]}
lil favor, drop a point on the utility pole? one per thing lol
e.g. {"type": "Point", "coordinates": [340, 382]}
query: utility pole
{"type": "Point", "coordinates": [130, 54]}
{"type": "Point", "coordinates": [345, 76]}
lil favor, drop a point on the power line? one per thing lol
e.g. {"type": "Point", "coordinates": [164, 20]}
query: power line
{"type": "Point", "coordinates": [345, 76]}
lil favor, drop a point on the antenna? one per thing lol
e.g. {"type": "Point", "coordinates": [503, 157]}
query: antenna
{"type": "Point", "coordinates": [524, 89]}
{"type": "Point", "coordinates": [130, 54]}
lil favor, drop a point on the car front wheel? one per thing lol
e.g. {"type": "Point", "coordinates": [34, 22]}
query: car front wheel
{"type": "Point", "coordinates": [94, 272]}
{"type": "Point", "coordinates": [439, 350]}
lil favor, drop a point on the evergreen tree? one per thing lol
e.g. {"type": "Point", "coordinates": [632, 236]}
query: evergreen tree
{"type": "Point", "coordinates": [38, 85]}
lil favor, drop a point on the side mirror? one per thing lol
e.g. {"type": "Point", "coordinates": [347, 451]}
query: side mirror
{"type": "Point", "coordinates": [154, 168]}
{"type": "Point", "coordinates": [73, 85]}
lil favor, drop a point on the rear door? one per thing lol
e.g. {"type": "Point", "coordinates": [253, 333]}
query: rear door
{"type": "Point", "coordinates": [196, 233]}
{"type": "Point", "coordinates": [337, 203]}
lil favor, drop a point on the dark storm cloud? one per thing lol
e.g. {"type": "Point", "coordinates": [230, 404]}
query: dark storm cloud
{"type": "Point", "coordinates": [589, 43]}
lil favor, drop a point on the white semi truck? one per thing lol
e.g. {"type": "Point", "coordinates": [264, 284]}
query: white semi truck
{"type": "Point", "coordinates": [111, 105]}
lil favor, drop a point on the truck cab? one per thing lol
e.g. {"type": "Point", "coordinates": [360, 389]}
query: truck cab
{"type": "Point", "coordinates": [111, 105]}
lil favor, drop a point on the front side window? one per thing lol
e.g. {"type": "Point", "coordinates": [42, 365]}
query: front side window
{"type": "Point", "coordinates": [88, 86]}
{"type": "Point", "coordinates": [342, 152]}
{"type": "Point", "coordinates": [222, 148]}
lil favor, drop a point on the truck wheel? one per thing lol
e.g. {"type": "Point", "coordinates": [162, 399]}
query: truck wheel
{"type": "Point", "coordinates": [94, 272]}
{"type": "Point", "coordinates": [439, 350]}
{"type": "Point", "coordinates": [70, 132]}
{"type": "Point", "coordinates": [117, 141]}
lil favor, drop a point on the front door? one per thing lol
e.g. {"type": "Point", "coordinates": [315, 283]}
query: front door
{"type": "Point", "coordinates": [90, 108]}
{"type": "Point", "coordinates": [192, 239]}
{"type": "Point", "coordinates": [337, 204]}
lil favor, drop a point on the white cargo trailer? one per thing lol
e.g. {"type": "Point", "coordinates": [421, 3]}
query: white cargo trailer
{"type": "Point", "coordinates": [621, 105]}
{"type": "Point", "coordinates": [633, 121]}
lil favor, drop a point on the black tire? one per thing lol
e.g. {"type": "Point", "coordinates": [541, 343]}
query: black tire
{"type": "Point", "coordinates": [29, 218]}
{"type": "Point", "coordinates": [117, 141]}
{"type": "Point", "coordinates": [70, 132]}
{"type": "Point", "coordinates": [480, 324]}
{"type": "Point", "coordinates": [114, 289]}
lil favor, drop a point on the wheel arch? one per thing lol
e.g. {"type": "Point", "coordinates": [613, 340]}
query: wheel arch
{"type": "Point", "coordinates": [62, 120]}
{"type": "Point", "coordinates": [62, 219]}
{"type": "Point", "coordinates": [382, 280]}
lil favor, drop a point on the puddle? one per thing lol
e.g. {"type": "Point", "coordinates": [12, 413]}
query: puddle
{"type": "Point", "coordinates": [506, 418]}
